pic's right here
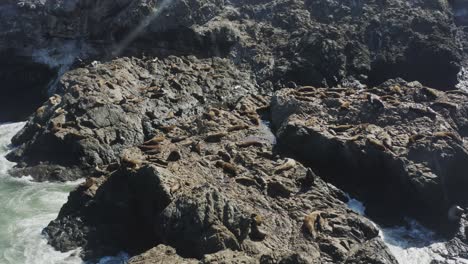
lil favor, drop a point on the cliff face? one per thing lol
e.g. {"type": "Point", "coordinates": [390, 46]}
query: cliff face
{"type": "Point", "coordinates": [320, 43]}
{"type": "Point", "coordinates": [308, 42]}
{"type": "Point", "coordinates": [172, 142]}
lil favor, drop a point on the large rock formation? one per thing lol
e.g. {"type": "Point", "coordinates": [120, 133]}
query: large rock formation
{"type": "Point", "coordinates": [177, 160]}
{"type": "Point", "coordinates": [313, 42]}
{"type": "Point", "coordinates": [215, 190]}
{"type": "Point", "coordinates": [401, 146]}
{"type": "Point", "coordinates": [105, 108]}
{"type": "Point", "coordinates": [320, 43]}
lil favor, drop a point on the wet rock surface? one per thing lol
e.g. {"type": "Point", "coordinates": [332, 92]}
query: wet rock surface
{"type": "Point", "coordinates": [312, 42]}
{"type": "Point", "coordinates": [101, 109]}
{"type": "Point", "coordinates": [169, 126]}
{"type": "Point", "coordinates": [224, 200]}
{"type": "Point", "coordinates": [400, 146]}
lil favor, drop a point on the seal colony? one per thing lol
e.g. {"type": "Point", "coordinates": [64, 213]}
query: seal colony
{"type": "Point", "coordinates": [171, 137]}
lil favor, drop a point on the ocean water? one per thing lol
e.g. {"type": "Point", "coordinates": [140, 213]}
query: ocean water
{"type": "Point", "coordinates": [412, 243]}
{"type": "Point", "coordinates": [26, 207]}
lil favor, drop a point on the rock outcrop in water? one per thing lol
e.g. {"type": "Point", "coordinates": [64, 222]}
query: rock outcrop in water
{"type": "Point", "coordinates": [215, 189]}
{"type": "Point", "coordinates": [401, 145]}
{"type": "Point", "coordinates": [171, 141]}
{"type": "Point", "coordinates": [105, 108]}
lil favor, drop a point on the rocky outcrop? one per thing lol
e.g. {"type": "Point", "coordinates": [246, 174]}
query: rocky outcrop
{"type": "Point", "coordinates": [214, 191]}
{"type": "Point", "coordinates": [320, 43]}
{"type": "Point", "coordinates": [177, 160]}
{"type": "Point", "coordinates": [310, 42]}
{"type": "Point", "coordinates": [104, 108]}
{"type": "Point", "coordinates": [401, 146]}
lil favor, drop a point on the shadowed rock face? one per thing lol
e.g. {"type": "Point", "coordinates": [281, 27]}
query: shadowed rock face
{"type": "Point", "coordinates": [311, 42]}
{"type": "Point", "coordinates": [228, 197]}
{"type": "Point", "coordinates": [399, 146]}
{"type": "Point", "coordinates": [108, 107]}
{"type": "Point", "coordinates": [170, 139]}
{"type": "Point", "coordinates": [23, 84]}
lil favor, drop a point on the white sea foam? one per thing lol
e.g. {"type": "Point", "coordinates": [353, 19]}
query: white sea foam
{"type": "Point", "coordinates": [412, 243]}
{"type": "Point", "coordinates": [26, 208]}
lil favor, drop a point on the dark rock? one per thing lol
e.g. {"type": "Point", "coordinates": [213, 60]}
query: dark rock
{"type": "Point", "coordinates": [112, 214]}
{"type": "Point", "coordinates": [202, 213]}
{"type": "Point", "coordinates": [160, 255]}
{"type": "Point", "coordinates": [203, 223]}
{"type": "Point", "coordinates": [311, 42]}
{"type": "Point", "coordinates": [177, 152]}
{"type": "Point", "coordinates": [405, 157]}
{"type": "Point", "coordinates": [365, 254]}
{"type": "Point", "coordinates": [105, 108]}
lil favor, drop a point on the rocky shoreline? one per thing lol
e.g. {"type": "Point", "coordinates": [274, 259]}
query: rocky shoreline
{"type": "Point", "coordinates": [214, 131]}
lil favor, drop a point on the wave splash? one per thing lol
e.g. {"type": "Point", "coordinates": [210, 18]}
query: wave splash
{"type": "Point", "coordinates": [411, 243]}
{"type": "Point", "coordinates": [26, 208]}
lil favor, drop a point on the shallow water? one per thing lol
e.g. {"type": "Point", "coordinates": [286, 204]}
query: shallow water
{"type": "Point", "coordinates": [26, 207]}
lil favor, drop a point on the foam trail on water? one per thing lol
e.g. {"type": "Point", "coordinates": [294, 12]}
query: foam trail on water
{"type": "Point", "coordinates": [26, 208]}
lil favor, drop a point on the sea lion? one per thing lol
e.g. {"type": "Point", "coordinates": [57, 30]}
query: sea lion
{"type": "Point", "coordinates": [307, 89]}
{"type": "Point", "coordinates": [447, 134]}
{"type": "Point", "coordinates": [333, 94]}
{"type": "Point", "coordinates": [248, 143]}
{"type": "Point", "coordinates": [40, 111]}
{"type": "Point", "coordinates": [444, 104]}
{"type": "Point", "coordinates": [377, 144]}
{"type": "Point", "coordinates": [432, 93]}
{"type": "Point", "coordinates": [196, 147]}
{"type": "Point", "coordinates": [174, 188]}
{"type": "Point", "coordinates": [216, 137]}
{"type": "Point", "coordinates": [424, 111]}
{"type": "Point", "coordinates": [224, 156]}
{"type": "Point", "coordinates": [341, 128]}
{"type": "Point", "coordinates": [88, 183]}
{"type": "Point", "coordinates": [238, 128]}
{"type": "Point", "coordinates": [155, 140]}
{"type": "Point", "coordinates": [375, 100]}
{"type": "Point", "coordinates": [345, 105]}
{"type": "Point", "coordinates": [289, 164]}
{"type": "Point", "coordinates": [149, 147]}
{"type": "Point", "coordinates": [415, 138]}
{"type": "Point", "coordinates": [178, 139]}
{"type": "Point", "coordinates": [131, 163]}
{"type": "Point", "coordinates": [158, 162]}
{"type": "Point", "coordinates": [55, 100]}
{"type": "Point", "coordinates": [314, 223]}
{"type": "Point", "coordinates": [167, 129]}
{"type": "Point", "coordinates": [255, 233]}
{"type": "Point", "coordinates": [396, 89]}
{"type": "Point", "coordinates": [210, 115]}
{"type": "Point", "coordinates": [305, 99]}
{"type": "Point", "coordinates": [227, 167]}
{"type": "Point", "coordinates": [157, 94]}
